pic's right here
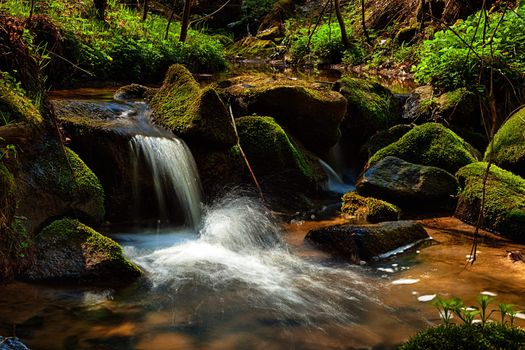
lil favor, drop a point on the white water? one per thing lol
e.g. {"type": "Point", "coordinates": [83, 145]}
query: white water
{"type": "Point", "coordinates": [174, 174]}
{"type": "Point", "coordinates": [335, 183]}
{"type": "Point", "coordinates": [240, 247]}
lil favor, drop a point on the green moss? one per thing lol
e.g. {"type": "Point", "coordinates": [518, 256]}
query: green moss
{"type": "Point", "coordinates": [490, 336]}
{"type": "Point", "coordinates": [371, 107]}
{"type": "Point", "coordinates": [509, 144]}
{"type": "Point", "coordinates": [374, 210]}
{"type": "Point", "coordinates": [66, 231]}
{"type": "Point", "coordinates": [15, 106]}
{"type": "Point", "coordinates": [383, 138]}
{"type": "Point", "coordinates": [504, 209]}
{"type": "Point", "coordinates": [7, 182]}
{"type": "Point", "coordinates": [453, 98]}
{"type": "Point", "coordinates": [429, 144]}
{"type": "Point", "coordinates": [71, 179]}
{"type": "Point", "coordinates": [269, 149]}
{"type": "Point", "coordinates": [181, 106]}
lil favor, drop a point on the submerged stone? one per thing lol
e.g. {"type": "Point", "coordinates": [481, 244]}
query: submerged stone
{"type": "Point", "coordinates": [67, 250]}
{"type": "Point", "coordinates": [366, 242]}
{"type": "Point", "coordinates": [504, 209]}
{"type": "Point", "coordinates": [409, 185]}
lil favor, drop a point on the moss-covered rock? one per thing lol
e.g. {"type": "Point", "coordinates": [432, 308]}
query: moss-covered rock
{"type": "Point", "coordinates": [309, 112]}
{"type": "Point", "coordinates": [14, 105]}
{"type": "Point", "coordinates": [68, 250]}
{"type": "Point", "coordinates": [371, 209]}
{"type": "Point", "coordinates": [56, 182]}
{"type": "Point", "coordinates": [383, 138]}
{"type": "Point", "coordinates": [481, 337]}
{"type": "Point", "coordinates": [193, 113]}
{"type": "Point", "coordinates": [411, 186]}
{"type": "Point", "coordinates": [430, 144]}
{"type": "Point", "coordinates": [504, 209]}
{"type": "Point", "coordinates": [371, 107]}
{"type": "Point", "coordinates": [7, 183]}
{"type": "Point", "coordinates": [366, 242]}
{"type": "Point", "coordinates": [271, 152]}
{"type": "Point", "coordinates": [509, 145]}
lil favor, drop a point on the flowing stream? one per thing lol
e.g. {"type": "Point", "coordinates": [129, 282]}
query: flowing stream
{"type": "Point", "coordinates": [231, 277]}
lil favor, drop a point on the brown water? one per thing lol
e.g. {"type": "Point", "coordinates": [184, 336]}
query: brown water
{"type": "Point", "coordinates": [194, 312]}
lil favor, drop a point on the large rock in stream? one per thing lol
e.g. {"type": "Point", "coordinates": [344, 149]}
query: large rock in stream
{"type": "Point", "coordinates": [409, 185]}
{"type": "Point", "coordinates": [504, 209]}
{"type": "Point", "coordinates": [357, 243]}
{"type": "Point", "coordinates": [508, 149]}
{"type": "Point", "coordinates": [69, 251]}
{"type": "Point", "coordinates": [307, 111]}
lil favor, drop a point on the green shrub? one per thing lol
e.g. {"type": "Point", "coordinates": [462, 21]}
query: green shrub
{"type": "Point", "coordinates": [447, 62]}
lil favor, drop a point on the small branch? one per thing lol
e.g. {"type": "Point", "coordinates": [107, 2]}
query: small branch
{"type": "Point", "coordinates": [254, 178]}
{"type": "Point", "coordinates": [211, 14]}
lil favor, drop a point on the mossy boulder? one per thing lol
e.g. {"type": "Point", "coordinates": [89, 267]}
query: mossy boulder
{"type": "Point", "coordinates": [411, 186]}
{"type": "Point", "coordinates": [383, 138]}
{"type": "Point", "coordinates": [504, 209]}
{"type": "Point", "coordinates": [67, 250]}
{"type": "Point", "coordinates": [271, 152]}
{"type": "Point", "coordinates": [371, 209]}
{"type": "Point", "coordinates": [468, 336]}
{"type": "Point", "coordinates": [193, 113]}
{"type": "Point", "coordinates": [509, 145]}
{"type": "Point", "coordinates": [54, 181]}
{"type": "Point", "coordinates": [14, 105]}
{"type": "Point", "coordinates": [366, 242]}
{"type": "Point", "coordinates": [309, 112]}
{"type": "Point", "coordinates": [430, 144]}
{"type": "Point", "coordinates": [7, 183]}
{"type": "Point", "coordinates": [371, 107]}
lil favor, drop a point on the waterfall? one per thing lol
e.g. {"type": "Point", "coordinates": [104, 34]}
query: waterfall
{"type": "Point", "coordinates": [335, 183]}
{"type": "Point", "coordinates": [174, 175]}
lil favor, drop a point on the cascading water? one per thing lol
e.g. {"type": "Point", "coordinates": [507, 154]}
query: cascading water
{"type": "Point", "coordinates": [174, 173]}
{"type": "Point", "coordinates": [335, 183]}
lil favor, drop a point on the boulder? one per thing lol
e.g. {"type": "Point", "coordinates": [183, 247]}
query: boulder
{"type": "Point", "coordinates": [310, 113]}
{"type": "Point", "coordinates": [371, 107]}
{"type": "Point", "coordinates": [357, 243]}
{"type": "Point", "coordinates": [409, 185]}
{"type": "Point", "coordinates": [193, 113]}
{"type": "Point", "coordinates": [134, 92]}
{"type": "Point", "coordinates": [430, 144]}
{"type": "Point", "coordinates": [67, 250]}
{"type": "Point", "coordinates": [272, 153]}
{"type": "Point", "coordinates": [509, 145]}
{"type": "Point", "coordinates": [504, 209]}
{"type": "Point", "coordinates": [371, 209]}
{"type": "Point", "coordinates": [383, 138]}
{"type": "Point", "coordinates": [54, 181]}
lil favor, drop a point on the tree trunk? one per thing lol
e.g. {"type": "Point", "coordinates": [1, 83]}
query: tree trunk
{"type": "Point", "coordinates": [145, 10]}
{"type": "Point", "coordinates": [185, 20]}
{"type": "Point", "coordinates": [363, 23]}
{"type": "Point", "coordinates": [344, 36]}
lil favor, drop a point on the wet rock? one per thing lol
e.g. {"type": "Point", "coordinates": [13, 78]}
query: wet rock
{"type": "Point", "coordinates": [69, 251]}
{"type": "Point", "coordinates": [430, 144]}
{"type": "Point", "coordinates": [12, 344]}
{"type": "Point", "coordinates": [272, 153]}
{"type": "Point", "coordinates": [308, 112]}
{"type": "Point", "coordinates": [509, 145]}
{"type": "Point", "coordinates": [134, 92]}
{"type": "Point", "coordinates": [366, 242]}
{"type": "Point", "coordinates": [371, 107]}
{"type": "Point", "coordinates": [504, 209]}
{"type": "Point", "coordinates": [54, 181]}
{"type": "Point", "coordinates": [409, 185]}
{"type": "Point", "coordinates": [371, 209]}
{"type": "Point", "coordinates": [193, 113]}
